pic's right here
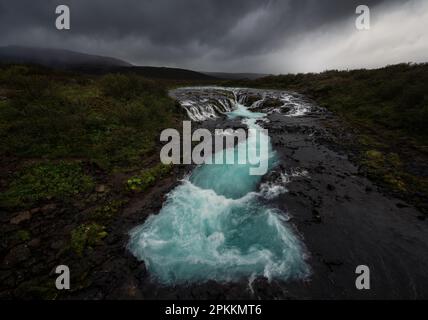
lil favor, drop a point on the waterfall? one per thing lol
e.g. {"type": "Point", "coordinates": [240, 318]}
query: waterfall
{"type": "Point", "coordinates": [217, 224]}
{"type": "Point", "coordinates": [215, 102]}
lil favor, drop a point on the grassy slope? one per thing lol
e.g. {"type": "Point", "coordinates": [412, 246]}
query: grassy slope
{"type": "Point", "coordinates": [78, 148]}
{"type": "Point", "coordinates": [388, 110]}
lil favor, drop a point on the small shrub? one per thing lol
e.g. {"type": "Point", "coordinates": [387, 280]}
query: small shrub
{"type": "Point", "coordinates": [395, 182]}
{"type": "Point", "coordinates": [87, 236]}
{"type": "Point", "coordinates": [127, 86]}
{"type": "Point", "coordinates": [148, 177]}
{"type": "Point", "coordinates": [374, 158]}
{"type": "Point", "coordinates": [107, 211]}
{"type": "Point", "coordinates": [23, 235]}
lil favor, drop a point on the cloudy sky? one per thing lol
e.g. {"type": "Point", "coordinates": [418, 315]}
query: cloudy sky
{"type": "Point", "coordinates": [272, 36]}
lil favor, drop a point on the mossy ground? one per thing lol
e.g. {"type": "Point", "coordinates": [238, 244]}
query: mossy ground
{"type": "Point", "coordinates": [69, 144]}
{"type": "Point", "coordinates": [148, 177]}
{"type": "Point", "coordinates": [45, 181]}
{"type": "Point", "coordinates": [86, 236]}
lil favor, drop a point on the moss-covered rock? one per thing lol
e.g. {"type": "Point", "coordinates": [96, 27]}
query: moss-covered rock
{"type": "Point", "coordinates": [86, 236]}
{"type": "Point", "coordinates": [107, 211]}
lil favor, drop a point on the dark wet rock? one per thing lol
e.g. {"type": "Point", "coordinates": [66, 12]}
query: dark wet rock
{"type": "Point", "coordinates": [100, 188]}
{"type": "Point", "coordinates": [48, 208]}
{"type": "Point", "coordinates": [286, 109]}
{"type": "Point", "coordinates": [268, 104]}
{"type": "Point", "coordinates": [271, 103]}
{"type": "Point", "coordinates": [17, 255]}
{"type": "Point", "coordinates": [21, 217]}
{"type": "Point", "coordinates": [34, 243]}
{"type": "Point", "coordinates": [401, 205]}
{"type": "Point", "coordinates": [331, 264]}
{"type": "Point", "coordinates": [57, 245]}
{"type": "Point", "coordinates": [248, 100]}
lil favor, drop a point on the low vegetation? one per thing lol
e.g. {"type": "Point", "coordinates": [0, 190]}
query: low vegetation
{"type": "Point", "coordinates": [111, 122]}
{"type": "Point", "coordinates": [148, 177]}
{"type": "Point", "coordinates": [69, 142]}
{"type": "Point", "coordinates": [45, 181]}
{"type": "Point", "coordinates": [86, 236]}
{"type": "Point", "coordinates": [107, 211]}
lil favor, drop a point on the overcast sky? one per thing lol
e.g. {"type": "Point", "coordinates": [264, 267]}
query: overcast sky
{"type": "Point", "coordinates": [227, 35]}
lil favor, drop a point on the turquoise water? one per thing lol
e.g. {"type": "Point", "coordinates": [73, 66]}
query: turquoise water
{"type": "Point", "coordinates": [214, 226]}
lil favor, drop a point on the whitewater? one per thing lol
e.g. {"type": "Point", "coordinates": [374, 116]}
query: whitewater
{"type": "Point", "coordinates": [218, 224]}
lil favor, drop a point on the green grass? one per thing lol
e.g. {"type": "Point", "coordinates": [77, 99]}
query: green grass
{"type": "Point", "coordinates": [148, 177]}
{"type": "Point", "coordinates": [61, 134]}
{"type": "Point", "coordinates": [113, 121]}
{"type": "Point", "coordinates": [59, 120]}
{"type": "Point", "coordinates": [44, 181]}
{"type": "Point", "coordinates": [23, 235]}
{"type": "Point", "coordinates": [387, 168]}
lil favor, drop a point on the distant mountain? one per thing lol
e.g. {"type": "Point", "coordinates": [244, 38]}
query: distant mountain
{"type": "Point", "coordinates": [55, 58]}
{"type": "Point", "coordinates": [92, 64]}
{"type": "Point", "coordinates": [236, 76]}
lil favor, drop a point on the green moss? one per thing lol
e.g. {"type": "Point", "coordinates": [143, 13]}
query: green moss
{"type": "Point", "coordinates": [60, 180]}
{"type": "Point", "coordinates": [86, 236]}
{"type": "Point", "coordinates": [370, 142]}
{"type": "Point", "coordinates": [393, 160]}
{"type": "Point", "coordinates": [386, 169]}
{"type": "Point", "coordinates": [374, 155]}
{"type": "Point", "coordinates": [38, 288]}
{"type": "Point", "coordinates": [148, 177]}
{"type": "Point", "coordinates": [23, 235]}
{"type": "Point", "coordinates": [395, 182]}
{"type": "Point", "coordinates": [374, 159]}
{"type": "Point", "coordinates": [108, 211]}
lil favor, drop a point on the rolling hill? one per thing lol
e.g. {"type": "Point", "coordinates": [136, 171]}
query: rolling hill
{"type": "Point", "coordinates": [91, 64]}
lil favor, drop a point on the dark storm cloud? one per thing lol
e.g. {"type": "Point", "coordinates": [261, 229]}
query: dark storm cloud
{"type": "Point", "coordinates": [201, 34]}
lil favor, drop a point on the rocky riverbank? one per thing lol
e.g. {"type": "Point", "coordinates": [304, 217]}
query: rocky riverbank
{"type": "Point", "coordinates": [344, 219]}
